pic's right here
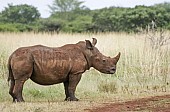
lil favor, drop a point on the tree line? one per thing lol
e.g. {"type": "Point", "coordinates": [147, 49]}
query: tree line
{"type": "Point", "coordinates": [71, 16]}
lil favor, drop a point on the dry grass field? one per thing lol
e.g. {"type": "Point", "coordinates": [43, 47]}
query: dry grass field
{"type": "Point", "coordinates": [143, 71]}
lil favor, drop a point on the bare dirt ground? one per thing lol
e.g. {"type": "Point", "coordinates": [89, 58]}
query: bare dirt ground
{"type": "Point", "coordinates": [151, 104]}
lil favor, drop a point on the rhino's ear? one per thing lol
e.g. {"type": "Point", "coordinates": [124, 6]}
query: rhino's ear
{"type": "Point", "coordinates": [89, 45]}
{"type": "Point", "coordinates": [94, 41]}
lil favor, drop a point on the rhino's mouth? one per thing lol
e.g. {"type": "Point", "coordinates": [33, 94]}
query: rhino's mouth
{"type": "Point", "coordinates": [111, 70]}
{"type": "Point", "coordinates": [108, 70]}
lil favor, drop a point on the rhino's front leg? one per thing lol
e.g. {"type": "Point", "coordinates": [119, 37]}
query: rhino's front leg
{"type": "Point", "coordinates": [66, 90]}
{"type": "Point", "coordinates": [72, 84]}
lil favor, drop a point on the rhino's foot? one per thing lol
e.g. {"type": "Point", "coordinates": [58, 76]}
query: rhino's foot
{"type": "Point", "coordinates": [15, 101]}
{"type": "Point", "coordinates": [71, 99]}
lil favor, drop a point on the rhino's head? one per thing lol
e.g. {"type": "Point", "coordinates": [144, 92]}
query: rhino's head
{"type": "Point", "coordinates": [100, 62]}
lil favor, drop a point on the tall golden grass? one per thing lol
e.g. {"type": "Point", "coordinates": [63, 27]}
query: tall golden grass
{"type": "Point", "coordinates": [142, 71]}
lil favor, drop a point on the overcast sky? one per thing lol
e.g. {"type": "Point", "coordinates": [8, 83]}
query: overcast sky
{"type": "Point", "coordinates": [42, 5]}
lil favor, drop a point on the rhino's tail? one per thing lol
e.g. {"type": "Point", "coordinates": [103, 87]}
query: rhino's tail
{"type": "Point", "coordinates": [10, 74]}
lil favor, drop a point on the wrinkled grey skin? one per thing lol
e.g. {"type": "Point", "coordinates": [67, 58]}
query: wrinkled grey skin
{"type": "Point", "coordinates": [53, 65]}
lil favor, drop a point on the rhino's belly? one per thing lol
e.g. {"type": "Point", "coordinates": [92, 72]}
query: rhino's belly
{"type": "Point", "coordinates": [49, 78]}
{"type": "Point", "coordinates": [47, 75]}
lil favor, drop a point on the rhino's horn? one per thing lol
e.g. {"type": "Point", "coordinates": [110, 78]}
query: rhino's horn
{"type": "Point", "coordinates": [117, 57]}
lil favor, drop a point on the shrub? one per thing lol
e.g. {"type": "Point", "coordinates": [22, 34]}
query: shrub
{"type": "Point", "coordinates": [108, 86]}
{"type": "Point", "coordinates": [8, 28]}
{"type": "Point", "coordinates": [36, 93]}
{"type": "Point", "coordinates": [16, 27]}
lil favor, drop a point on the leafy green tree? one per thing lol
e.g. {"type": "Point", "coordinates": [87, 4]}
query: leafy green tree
{"type": "Point", "coordinates": [130, 19]}
{"type": "Point", "coordinates": [165, 5]}
{"type": "Point", "coordinates": [51, 25]}
{"type": "Point", "coordinates": [80, 24]}
{"type": "Point", "coordinates": [64, 8]}
{"type": "Point", "coordinates": [72, 16]}
{"type": "Point", "coordinates": [107, 19]}
{"type": "Point", "coordinates": [24, 14]}
{"type": "Point", "coordinates": [65, 5]}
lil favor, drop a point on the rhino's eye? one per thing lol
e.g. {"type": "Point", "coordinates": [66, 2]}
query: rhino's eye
{"type": "Point", "coordinates": [104, 60]}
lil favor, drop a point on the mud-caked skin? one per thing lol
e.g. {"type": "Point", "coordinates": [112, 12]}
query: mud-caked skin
{"type": "Point", "coordinates": [50, 65]}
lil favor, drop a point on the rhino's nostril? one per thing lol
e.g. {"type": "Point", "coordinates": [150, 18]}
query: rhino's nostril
{"type": "Point", "coordinates": [114, 69]}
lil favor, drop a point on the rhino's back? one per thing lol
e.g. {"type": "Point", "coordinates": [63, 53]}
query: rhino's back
{"type": "Point", "coordinates": [51, 65]}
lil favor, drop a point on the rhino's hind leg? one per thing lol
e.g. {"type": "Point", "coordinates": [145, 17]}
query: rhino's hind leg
{"type": "Point", "coordinates": [18, 87]}
{"type": "Point", "coordinates": [12, 83]}
{"type": "Point", "coordinates": [71, 87]}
